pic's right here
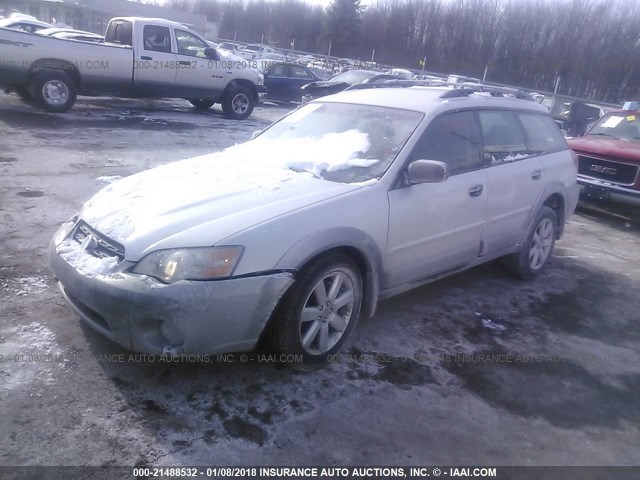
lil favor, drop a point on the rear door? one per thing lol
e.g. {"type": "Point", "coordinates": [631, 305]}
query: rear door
{"type": "Point", "coordinates": [435, 227]}
{"type": "Point", "coordinates": [155, 62]}
{"type": "Point", "coordinates": [515, 178]}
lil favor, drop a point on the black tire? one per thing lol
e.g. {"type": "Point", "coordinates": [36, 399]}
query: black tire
{"type": "Point", "coordinates": [202, 104]}
{"type": "Point", "coordinates": [521, 264]}
{"type": "Point", "coordinates": [238, 102]}
{"type": "Point", "coordinates": [288, 328]}
{"type": "Point", "coordinates": [61, 87]}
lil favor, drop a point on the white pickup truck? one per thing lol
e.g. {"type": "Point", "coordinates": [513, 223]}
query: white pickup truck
{"type": "Point", "coordinates": [141, 57]}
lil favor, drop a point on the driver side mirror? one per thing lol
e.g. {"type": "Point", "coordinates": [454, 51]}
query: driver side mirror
{"type": "Point", "coordinates": [427, 171]}
{"type": "Point", "coordinates": [211, 53]}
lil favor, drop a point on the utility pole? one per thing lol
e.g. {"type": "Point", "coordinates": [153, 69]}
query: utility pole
{"type": "Point", "coordinates": [373, 54]}
{"type": "Point", "coordinates": [484, 76]}
{"type": "Point", "coordinates": [424, 63]}
{"type": "Point", "coordinates": [329, 53]}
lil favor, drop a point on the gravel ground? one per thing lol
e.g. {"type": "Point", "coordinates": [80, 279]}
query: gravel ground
{"type": "Point", "coordinates": [475, 369]}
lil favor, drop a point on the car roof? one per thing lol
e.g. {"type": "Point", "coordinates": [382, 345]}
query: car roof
{"type": "Point", "coordinates": [156, 21]}
{"type": "Point", "coordinates": [426, 99]}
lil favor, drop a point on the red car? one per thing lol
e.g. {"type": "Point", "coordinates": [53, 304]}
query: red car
{"type": "Point", "coordinates": [609, 157]}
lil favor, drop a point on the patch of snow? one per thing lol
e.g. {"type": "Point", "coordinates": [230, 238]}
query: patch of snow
{"type": "Point", "coordinates": [29, 354]}
{"type": "Point", "coordinates": [25, 286]}
{"type": "Point", "coordinates": [491, 325]}
{"type": "Point", "coordinates": [88, 265]}
{"type": "Point", "coordinates": [255, 166]}
{"type": "Point", "coordinates": [108, 178]}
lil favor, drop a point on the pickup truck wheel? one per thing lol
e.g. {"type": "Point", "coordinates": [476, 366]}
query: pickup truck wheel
{"type": "Point", "coordinates": [537, 248]}
{"type": "Point", "coordinates": [318, 312]}
{"type": "Point", "coordinates": [202, 104]}
{"type": "Point", "coordinates": [53, 91]}
{"type": "Point", "coordinates": [238, 102]}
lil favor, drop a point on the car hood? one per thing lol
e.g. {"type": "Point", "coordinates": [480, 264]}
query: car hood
{"type": "Point", "coordinates": [203, 200]}
{"type": "Point", "coordinates": [606, 147]}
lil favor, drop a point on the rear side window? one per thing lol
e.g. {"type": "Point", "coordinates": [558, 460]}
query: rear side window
{"type": "Point", "coordinates": [503, 138]}
{"type": "Point", "coordinates": [543, 136]}
{"type": "Point", "coordinates": [157, 39]}
{"type": "Point", "coordinates": [454, 139]}
{"type": "Point", "coordinates": [299, 72]}
{"type": "Point", "coordinates": [278, 71]}
{"type": "Point", "coordinates": [120, 32]}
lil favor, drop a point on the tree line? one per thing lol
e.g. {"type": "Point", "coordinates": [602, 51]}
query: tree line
{"type": "Point", "coordinates": [593, 45]}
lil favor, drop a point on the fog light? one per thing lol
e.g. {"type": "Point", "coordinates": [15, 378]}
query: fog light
{"type": "Point", "coordinates": [171, 333]}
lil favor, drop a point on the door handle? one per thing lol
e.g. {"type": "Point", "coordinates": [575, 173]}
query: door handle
{"type": "Point", "coordinates": [536, 174]}
{"type": "Point", "coordinates": [145, 57]}
{"type": "Point", "coordinates": [475, 191]}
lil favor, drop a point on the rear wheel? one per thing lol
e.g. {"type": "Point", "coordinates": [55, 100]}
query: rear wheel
{"type": "Point", "coordinates": [53, 91]}
{"type": "Point", "coordinates": [202, 104]}
{"type": "Point", "coordinates": [319, 312]}
{"type": "Point", "coordinates": [537, 248]}
{"type": "Point", "coordinates": [238, 102]}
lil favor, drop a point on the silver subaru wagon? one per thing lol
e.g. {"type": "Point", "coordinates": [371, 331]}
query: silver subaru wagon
{"type": "Point", "coordinates": [304, 229]}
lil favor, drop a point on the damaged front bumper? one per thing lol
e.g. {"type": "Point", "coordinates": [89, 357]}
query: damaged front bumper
{"type": "Point", "coordinates": [188, 317]}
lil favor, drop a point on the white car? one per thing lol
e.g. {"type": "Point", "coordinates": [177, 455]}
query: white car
{"type": "Point", "coordinates": [299, 232]}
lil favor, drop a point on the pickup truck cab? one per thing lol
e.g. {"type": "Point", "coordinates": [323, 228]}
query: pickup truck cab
{"type": "Point", "coordinates": [141, 57]}
{"type": "Point", "coordinates": [609, 158]}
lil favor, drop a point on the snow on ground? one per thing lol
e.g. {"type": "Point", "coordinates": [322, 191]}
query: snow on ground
{"type": "Point", "coordinates": [28, 353]}
{"type": "Point", "coordinates": [24, 286]}
{"type": "Point", "coordinates": [108, 178]}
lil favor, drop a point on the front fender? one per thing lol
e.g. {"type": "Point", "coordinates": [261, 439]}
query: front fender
{"type": "Point", "coordinates": [356, 242]}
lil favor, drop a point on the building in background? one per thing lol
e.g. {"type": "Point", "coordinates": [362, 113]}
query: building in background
{"type": "Point", "coordinates": [94, 15]}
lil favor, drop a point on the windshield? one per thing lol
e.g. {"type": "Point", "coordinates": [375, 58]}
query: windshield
{"type": "Point", "coordinates": [353, 77]}
{"type": "Point", "coordinates": [622, 125]}
{"type": "Point", "coordinates": [342, 142]}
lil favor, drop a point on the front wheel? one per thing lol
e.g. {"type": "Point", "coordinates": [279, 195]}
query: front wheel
{"type": "Point", "coordinates": [537, 248]}
{"type": "Point", "coordinates": [53, 91]}
{"type": "Point", "coordinates": [319, 312]}
{"type": "Point", "coordinates": [202, 104]}
{"type": "Point", "coordinates": [238, 102]}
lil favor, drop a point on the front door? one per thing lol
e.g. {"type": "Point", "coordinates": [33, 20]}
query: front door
{"type": "Point", "coordinates": [197, 75]}
{"type": "Point", "coordinates": [435, 227]}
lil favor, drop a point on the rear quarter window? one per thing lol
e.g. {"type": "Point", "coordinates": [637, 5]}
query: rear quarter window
{"type": "Point", "coordinates": [543, 135]}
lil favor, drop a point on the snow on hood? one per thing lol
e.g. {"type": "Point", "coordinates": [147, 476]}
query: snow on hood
{"type": "Point", "coordinates": [240, 176]}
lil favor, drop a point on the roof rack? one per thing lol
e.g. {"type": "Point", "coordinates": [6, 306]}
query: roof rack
{"type": "Point", "coordinates": [459, 89]}
{"type": "Point", "coordinates": [467, 88]}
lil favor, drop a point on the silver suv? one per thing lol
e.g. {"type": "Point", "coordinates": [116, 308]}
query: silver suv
{"type": "Point", "coordinates": [299, 232]}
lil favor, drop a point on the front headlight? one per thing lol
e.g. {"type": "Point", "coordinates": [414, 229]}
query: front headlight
{"type": "Point", "coordinates": [260, 79]}
{"type": "Point", "coordinates": [202, 263]}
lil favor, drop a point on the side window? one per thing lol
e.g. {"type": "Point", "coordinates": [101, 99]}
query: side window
{"type": "Point", "coordinates": [543, 136]}
{"type": "Point", "coordinates": [121, 33]}
{"type": "Point", "coordinates": [189, 44]}
{"type": "Point", "coordinates": [278, 71]}
{"type": "Point", "coordinates": [453, 138]}
{"type": "Point", "coordinates": [299, 72]}
{"type": "Point", "coordinates": [157, 39]}
{"type": "Point", "coordinates": [503, 138]}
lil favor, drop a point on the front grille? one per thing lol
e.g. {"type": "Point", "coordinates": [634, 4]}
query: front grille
{"type": "Point", "coordinates": [609, 171]}
{"type": "Point", "coordinates": [99, 246]}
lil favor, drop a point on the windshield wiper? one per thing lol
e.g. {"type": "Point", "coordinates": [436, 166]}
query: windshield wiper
{"type": "Point", "coordinates": [603, 134]}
